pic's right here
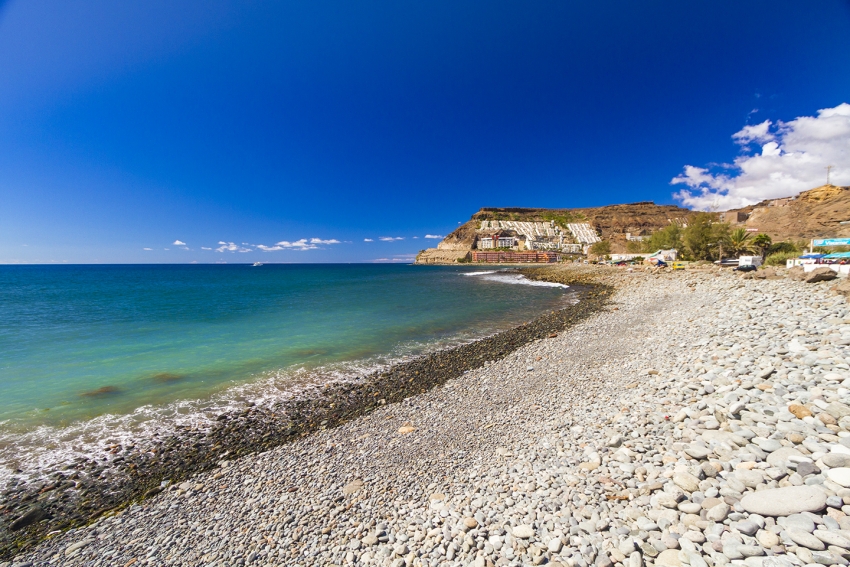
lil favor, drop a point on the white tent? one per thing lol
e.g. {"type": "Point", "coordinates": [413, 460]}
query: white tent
{"type": "Point", "coordinates": [663, 255]}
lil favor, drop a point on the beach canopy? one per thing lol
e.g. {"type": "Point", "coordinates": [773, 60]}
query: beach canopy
{"type": "Point", "coordinates": [838, 255]}
{"type": "Point", "coordinates": [815, 256]}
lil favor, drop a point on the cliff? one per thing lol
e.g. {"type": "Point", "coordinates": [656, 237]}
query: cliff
{"type": "Point", "coordinates": [611, 222]}
{"type": "Point", "coordinates": [822, 212]}
{"type": "Point", "coordinates": [817, 213]}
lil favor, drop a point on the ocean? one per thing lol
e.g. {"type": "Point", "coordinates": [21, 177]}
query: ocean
{"type": "Point", "coordinates": [98, 354]}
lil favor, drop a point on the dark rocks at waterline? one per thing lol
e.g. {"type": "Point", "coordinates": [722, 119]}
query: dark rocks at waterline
{"type": "Point", "coordinates": [31, 516]}
{"type": "Point", "coordinates": [91, 487]}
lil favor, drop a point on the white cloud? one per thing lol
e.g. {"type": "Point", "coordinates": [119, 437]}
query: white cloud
{"type": "Point", "coordinates": [792, 157]}
{"type": "Point", "coordinates": [205, 248]}
{"type": "Point", "coordinates": [368, 240]}
{"type": "Point", "coordinates": [148, 249]}
{"type": "Point", "coordinates": [178, 243]}
{"type": "Point", "coordinates": [434, 236]}
{"type": "Point", "coordinates": [231, 247]}
{"type": "Point", "coordinates": [302, 244]}
{"type": "Point", "coordinates": [390, 238]}
{"type": "Point", "coordinates": [397, 258]}
{"type": "Point", "coordinates": [756, 133]}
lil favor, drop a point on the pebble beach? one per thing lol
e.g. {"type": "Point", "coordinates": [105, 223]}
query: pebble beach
{"type": "Point", "coordinates": [697, 419]}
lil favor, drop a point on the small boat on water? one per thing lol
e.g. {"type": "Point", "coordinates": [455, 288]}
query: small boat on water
{"type": "Point", "coordinates": [258, 264]}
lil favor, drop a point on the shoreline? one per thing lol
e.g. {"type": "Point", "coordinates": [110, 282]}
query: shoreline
{"type": "Point", "coordinates": [87, 489]}
{"type": "Point", "coordinates": [702, 419]}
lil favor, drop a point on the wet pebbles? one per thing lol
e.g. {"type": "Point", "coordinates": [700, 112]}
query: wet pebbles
{"type": "Point", "coordinates": [87, 488]}
{"type": "Point", "coordinates": [706, 422]}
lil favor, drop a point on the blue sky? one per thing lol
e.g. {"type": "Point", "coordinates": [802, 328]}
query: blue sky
{"type": "Point", "coordinates": [292, 125]}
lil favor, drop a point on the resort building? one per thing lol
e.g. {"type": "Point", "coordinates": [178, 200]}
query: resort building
{"type": "Point", "coordinates": [497, 240]}
{"type": "Point", "coordinates": [734, 217]}
{"type": "Point", "coordinates": [499, 257]}
{"type": "Point", "coordinates": [583, 233]}
{"type": "Point", "coordinates": [528, 235]}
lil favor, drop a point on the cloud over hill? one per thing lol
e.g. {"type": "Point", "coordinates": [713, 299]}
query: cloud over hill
{"type": "Point", "coordinates": [778, 160]}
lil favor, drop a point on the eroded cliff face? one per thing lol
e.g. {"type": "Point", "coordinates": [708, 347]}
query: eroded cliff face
{"type": "Point", "coordinates": [437, 256]}
{"type": "Point", "coordinates": [462, 238]}
{"type": "Point", "coordinates": [817, 213]}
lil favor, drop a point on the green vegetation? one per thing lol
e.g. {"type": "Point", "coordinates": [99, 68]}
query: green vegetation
{"type": "Point", "coordinates": [634, 247]}
{"type": "Point", "coordinates": [664, 239]}
{"type": "Point", "coordinates": [563, 218]}
{"type": "Point", "coordinates": [779, 258]}
{"type": "Point", "coordinates": [762, 242]}
{"type": "Point", "coordinates": [777, 253]}
{"type": "Point", "coordinates": [739, 242]}
{"type": "Point", "coordinates": [784, 247]}
{"type": "Point", "coordinates": [601, 248]}
{"type": "Point", "coordinates": [703, 238]}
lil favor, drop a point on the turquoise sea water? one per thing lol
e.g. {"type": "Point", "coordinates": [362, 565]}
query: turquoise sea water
{"type": "Point", "coordinates": [88, 348]}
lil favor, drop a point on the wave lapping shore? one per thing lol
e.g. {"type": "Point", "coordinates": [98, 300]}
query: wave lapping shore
{"type": "Point", "coordinates": [93, 485]}
{"type": "Point", "coordinates": [702, 420]}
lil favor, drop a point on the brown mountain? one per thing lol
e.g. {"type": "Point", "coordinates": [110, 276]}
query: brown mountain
{"type": "Point", "coordinates": [611, 222]}
{"type": "Point", "coordinates": [818, 213]}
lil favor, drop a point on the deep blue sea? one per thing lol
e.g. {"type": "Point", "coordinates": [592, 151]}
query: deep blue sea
{"type": "Point", "coordinates": [90, 354]}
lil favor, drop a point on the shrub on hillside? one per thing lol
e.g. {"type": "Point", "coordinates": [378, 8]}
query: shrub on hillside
{"type": "Point", "coordinates": [785, 247]}
{"type": "Point", "coordinates": [601, 248]}
{"type": "Point", "coordinates": [779, 258]}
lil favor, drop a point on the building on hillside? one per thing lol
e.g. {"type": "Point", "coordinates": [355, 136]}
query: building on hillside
{"type": "Point", "coordinates": [497, 240]}
{"type": "Point", "coordinates": [634, 237]}
{"type": "Point", "coordinates": [583, 232]}
{"type": "Point", "coordinates": [529, 257]}
{"type": "Point", "coordinates": [734, 217]}
{"type": "Point", "coordinates": [573, 248]}
{"type": "Point", "coordinates": [785, 201]}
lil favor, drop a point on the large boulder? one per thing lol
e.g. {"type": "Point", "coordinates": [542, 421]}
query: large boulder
{"type": "Point", "coordinates": [820, 275]}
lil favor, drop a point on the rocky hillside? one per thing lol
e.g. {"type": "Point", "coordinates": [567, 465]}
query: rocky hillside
{"type": "Point", "coordinates": [612, 222]}
{"type": "Point", "coordinates": [817, 213]}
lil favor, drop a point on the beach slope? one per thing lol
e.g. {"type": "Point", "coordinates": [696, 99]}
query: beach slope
{"type": "Point", "coordinates": [699, 419]}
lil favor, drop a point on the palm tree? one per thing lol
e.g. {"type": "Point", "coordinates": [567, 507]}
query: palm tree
{"type": "Point", "coordinates": [762, 242]}
{"type": "Point", "coordinates": [739, 241]}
